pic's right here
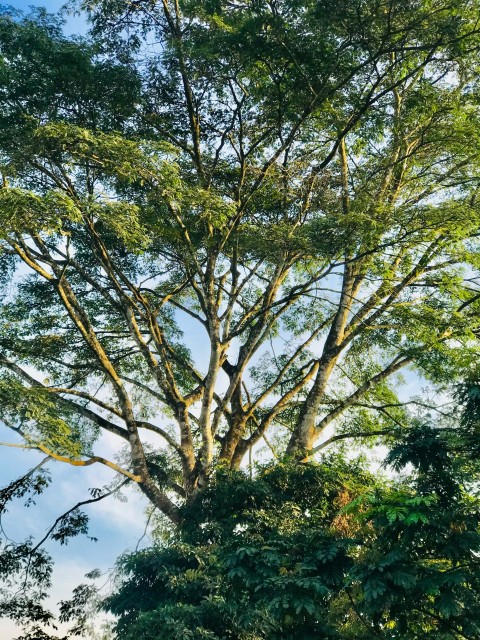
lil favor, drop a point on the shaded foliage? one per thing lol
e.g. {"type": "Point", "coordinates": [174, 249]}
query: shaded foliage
{"type": "Point", "coordinates": [324, 550]}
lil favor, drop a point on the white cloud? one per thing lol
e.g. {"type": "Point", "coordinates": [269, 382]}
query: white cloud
{"type": "Point", "coordinates": [128, 516]}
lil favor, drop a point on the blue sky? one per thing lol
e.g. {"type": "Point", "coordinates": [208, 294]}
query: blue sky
{"type": "Point", "coordinates": [74, 24]}
{"type": "Point", "coordinates": [117, 525]}
{"type": "Point", "coordinates": [50, 5]}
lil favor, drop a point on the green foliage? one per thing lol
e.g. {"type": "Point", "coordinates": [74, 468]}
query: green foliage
{"type": "Point", "coordinates": [21, 209]}
{"type": "Point", "coordinates": [41, 419]}
{"type": "Point", "coordinates": [256, 557]}
{"type": "Point", "coordinates": [316, 551]}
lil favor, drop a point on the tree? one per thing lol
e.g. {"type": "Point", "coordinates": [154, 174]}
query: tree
{"type": "Point", "coordinates": [323, 549]}
{"type": "Point", "coordinates": [296, 179]}
{"type": "Point", "coordinates": [320, 551]}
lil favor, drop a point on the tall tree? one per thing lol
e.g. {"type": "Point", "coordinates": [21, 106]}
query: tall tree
{"type": "Point", "coordinates": [298, 180]}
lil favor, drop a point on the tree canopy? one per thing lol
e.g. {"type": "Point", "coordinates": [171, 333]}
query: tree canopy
{"type": "Point", "coordinates": [228, 224]}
